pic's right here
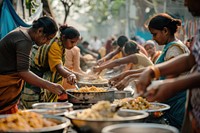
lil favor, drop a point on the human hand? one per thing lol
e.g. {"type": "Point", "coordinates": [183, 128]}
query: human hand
{"type": "Point", "coordinates": [72, 79]}
{"type": "Point", "coordinates": [123, 83]}
{"type": "Point", "coordinates": [55, 88]}
{"type": "Point", "coordinates": [144, 80]}
{"type": "Point", "coordinates": [113, 81]}
{"type": "Point", "coordinates": [160, 90]}
{"type": "Point", "coordinates": [97, 69]}
{"type": "Point", "coordinates": [99, 62]}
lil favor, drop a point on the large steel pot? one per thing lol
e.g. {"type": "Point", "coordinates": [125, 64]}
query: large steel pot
{"type": "Point", "coordinates": [123, 94]}
{"type": "Point", "coordinates": [53, 108]}
{"type": "Point", "coordinates": [88, 83]}
{"type": "Point", "coordinates": [62, 126]}
{"type": "Point", "coordinates": [139, 128]}
{"type": "Point", "coordinates": [95, 126]}
{"type": "Point", "coordinates": [90, 97]}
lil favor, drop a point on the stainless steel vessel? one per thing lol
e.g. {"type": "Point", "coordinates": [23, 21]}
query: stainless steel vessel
{"type": "Point", "coordinates": [54, 108]}
{"type": "Point", "coordinates": [95, 126]}
{"type": "Point", "coordinates": [63, 124]}
{"type": "Point", "coordinates": [139, 128]}
{"type": "Point", "coordinates": [90, 97]}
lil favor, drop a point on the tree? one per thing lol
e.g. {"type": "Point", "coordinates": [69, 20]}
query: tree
{"type": "Point", "coordinates": [67, 5]}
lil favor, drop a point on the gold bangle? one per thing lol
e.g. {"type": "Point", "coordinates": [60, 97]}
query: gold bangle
{"type": "Point", "coordinates": [156, 71]}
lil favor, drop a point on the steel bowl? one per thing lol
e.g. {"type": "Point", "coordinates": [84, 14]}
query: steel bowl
{"type": "Point", "coordinates": [63, 124]}
{"type": "Point", "coordinates": [57, 112]}
{"type": "Point", "coordinates": [90, 97]}
{"type": "Point", "coordinates": [123, 94]}
{"type": "Point", "coordinates": [88, 83]}
{"type": "Point", "coordinates": [139, 128]}
{"type": "Point", "coordinates": [54, 108]}
{"type": "Point", "coordinates": [95, 126]}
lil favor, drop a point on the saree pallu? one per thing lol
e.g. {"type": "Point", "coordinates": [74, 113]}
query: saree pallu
{"type": "Point", "coordinates": [10, 91]}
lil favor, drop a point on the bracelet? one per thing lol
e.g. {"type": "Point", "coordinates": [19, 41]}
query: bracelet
{"type": "Point", "coordinates": [156, 71]}
{"type": "Point", "coordinates": [104, 60]}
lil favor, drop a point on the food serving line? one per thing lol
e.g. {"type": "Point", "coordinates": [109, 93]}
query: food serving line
{"type": "Point", "coordinates": [74, 116]}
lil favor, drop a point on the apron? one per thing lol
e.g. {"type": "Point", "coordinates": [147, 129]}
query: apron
{"type": "Point", "coordinates": [10, 91]}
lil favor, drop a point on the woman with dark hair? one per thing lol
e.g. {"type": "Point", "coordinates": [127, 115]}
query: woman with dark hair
{"type": "Point", "coordinates": [48, 62]}
{"type": "Point", "coordinates": [121, 40]}
{"type": "Point", "coordinates": [15, 49]}
{"type": "Point", "coordinates": [171, 87]}
{"type": "Point", "coordinates": [163, 28]}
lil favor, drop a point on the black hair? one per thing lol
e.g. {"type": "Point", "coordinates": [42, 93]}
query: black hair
{"type": "Point", "coordinates": [48, 24]}
{"type": "Point", "coordinates": [85, 43]}
{"type": "Point", "coordinates": [121, 40]}
{"type": "Point", "coordinates": [114, 43]}
{"type": "Point", "coordinates": [131, 47]}
{"type": "Point", "coordinates": [69, 32]}
{"type": "Point", "coordinates": [162, 20]}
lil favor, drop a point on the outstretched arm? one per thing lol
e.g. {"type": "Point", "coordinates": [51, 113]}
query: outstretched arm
{"type": "Point", "coordinates": [66, 73]}
{"type": "Point", "coordinates": [177, 65]}
{"type": "Point", "coordinates": [171, 87]}
{"type": "Point", "coordinates": [118, 78]}
{"type": "Point", "coordinates": [33, 79]}
{"type": "Point", "coordinates": [108, 56]}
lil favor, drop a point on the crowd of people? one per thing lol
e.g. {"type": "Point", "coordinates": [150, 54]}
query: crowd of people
{"type": "Point", "coordinates": [38, 65]}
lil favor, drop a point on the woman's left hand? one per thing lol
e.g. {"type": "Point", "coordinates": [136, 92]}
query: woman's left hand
{"type": "Point", "coordinates": [72, 79]}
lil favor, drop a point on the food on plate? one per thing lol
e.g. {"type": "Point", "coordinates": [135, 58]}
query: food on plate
{"type": "Point", "coordinates": [24, 121]}
{"type": "Point", "coordinates": [90, 89]}
{"type": "Point", "coordinates": [99, 111]}
{"type": "Point", "coordinates": [138, 103]}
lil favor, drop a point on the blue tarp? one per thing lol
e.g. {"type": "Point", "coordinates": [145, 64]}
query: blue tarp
{"type": "Point", "coordinates": [9, 19]}
{"type": "Point", "coordinates": [144, 34]}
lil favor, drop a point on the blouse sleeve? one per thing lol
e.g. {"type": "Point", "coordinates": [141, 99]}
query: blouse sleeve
{"type": "Point", "coordinates": [144, 60]}
{"type": "Point", "coordinates": [23, 49]}
{"type": "Point", "coordinates": [173, 52]}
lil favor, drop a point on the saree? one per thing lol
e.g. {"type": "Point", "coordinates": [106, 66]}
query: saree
{"type": "Point", "coordinates": [176, 113]}
{"type": "Point", "coordinates": [10, 92]}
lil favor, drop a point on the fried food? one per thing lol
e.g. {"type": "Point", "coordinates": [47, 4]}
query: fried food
{"type": "Point", "coordinates": [24, 121]}
{"type": "Point", "coordinates": [90, 89]}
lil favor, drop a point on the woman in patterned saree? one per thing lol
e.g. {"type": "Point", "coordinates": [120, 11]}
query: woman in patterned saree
{"type": "Point", "coordinates": [48, 63]}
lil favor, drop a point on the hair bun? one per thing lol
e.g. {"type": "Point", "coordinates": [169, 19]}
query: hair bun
{"type": "Point", "coordinates": [63, 27]}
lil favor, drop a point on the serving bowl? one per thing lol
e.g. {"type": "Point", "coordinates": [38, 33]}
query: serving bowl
{"type": "Point", "coordinates": [89, 83]}
{"type": "Point", "coordinates": [53, 108]}
{"type": "Point", "coordinates": [90, 97]}
{"type": "Point", "coordinates": [95, 126]}
{"type": "Point", "coordinates": [63, 124]}
{"type": "Point", "coordinates": [123, 94]}
{"type": "Point", "coordinates": [139, 128]}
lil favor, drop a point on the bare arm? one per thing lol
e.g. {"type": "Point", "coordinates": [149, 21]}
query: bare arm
{"type": "Point", "coordinates": [33, 79]}
{"type": "Point", "coordinates": [176, 65]}
{"type": "Point", "coordinates": [125, 60]}
{"type": "Point", "coordinates": [121, 76]}
{"type": "Point", "coordinates": [66, 73]}
{"type": "Point", "coordinates": [171, 87]}
{"type": "Point", "coordinates": [109, 56]}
